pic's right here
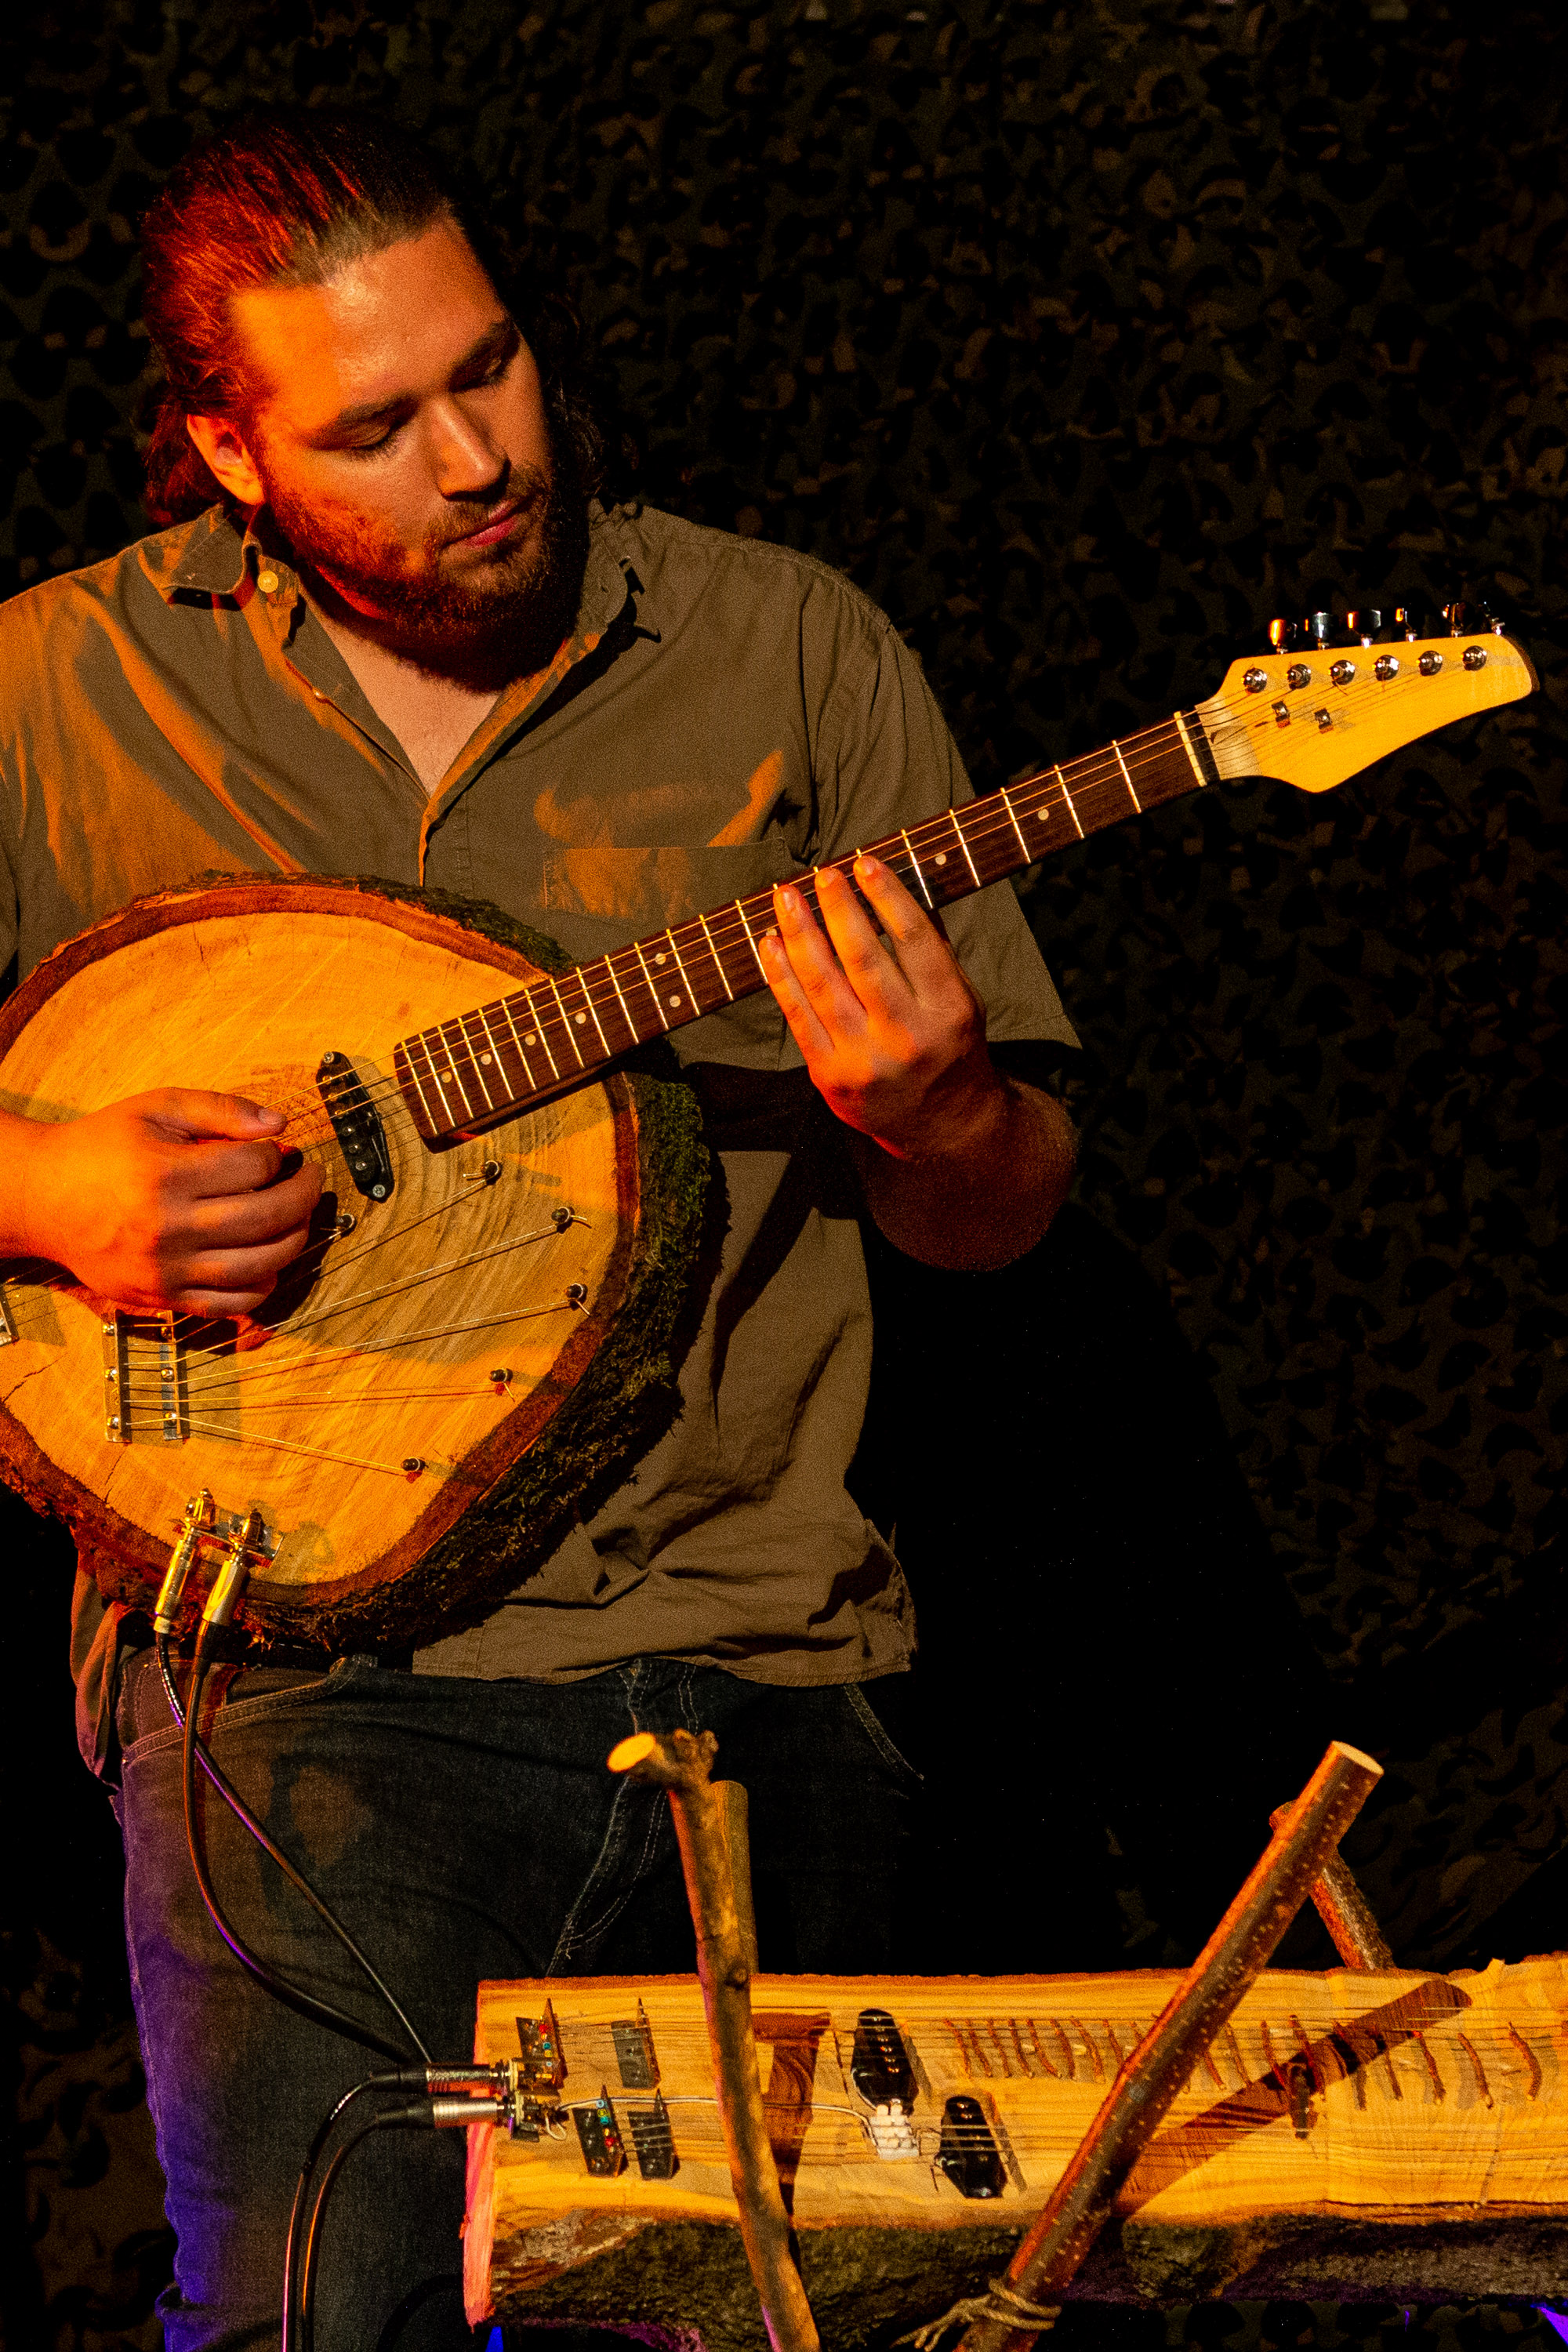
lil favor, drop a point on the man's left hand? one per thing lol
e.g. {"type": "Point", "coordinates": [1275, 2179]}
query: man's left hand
{"type": "Point", "coordinates": [893, 1035]}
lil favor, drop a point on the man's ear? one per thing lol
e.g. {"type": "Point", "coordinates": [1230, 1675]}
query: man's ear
{"type": "Point", "coordinates": [222, 444]}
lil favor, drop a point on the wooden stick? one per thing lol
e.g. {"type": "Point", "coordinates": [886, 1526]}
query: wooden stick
{"type": "Point", "coordinates": [679, 1763]}
{"type": "Point", "coordinates": [1346, 1912]}
{"type": "Point", "coordinates": [732, 1796]}
{"type": "Point", "coordinates": [1020, 2307]}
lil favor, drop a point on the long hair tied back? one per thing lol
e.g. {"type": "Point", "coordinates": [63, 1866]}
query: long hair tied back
{"type": "Point", "coordinates": [288, 197]}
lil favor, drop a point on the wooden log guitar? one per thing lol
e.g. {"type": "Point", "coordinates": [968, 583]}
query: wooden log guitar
{"type": "Point", "coordinates": [475, 1340]}
{"type": "Point", "coordinates": [1384, 2137]}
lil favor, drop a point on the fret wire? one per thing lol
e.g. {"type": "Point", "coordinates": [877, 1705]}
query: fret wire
{"type": "Point", "coordinates": [477, 1059]}
{"type": "Point", "coordinates": [541, 1033]}
{"type": "Point", "coordinates": [963, 844]}
{"type": "Point", "coordinates": [452, 1067]}
{"type": "Point", "coordinates": [1126, 775]}
{"type": "Point", "coordinates": [414, 1074]}
{"type": "Point", "coordinates": [483, 1017]}
{"type": "Point", "coordinates": [745, 925]}
{"type": "Point", "coordinates": [713, 951]}
{"type": "Point", "coordinates": [567, 1021]}
{"type": "Point", "coordinates": [516, 1039]}
{"type": "Point", "coordinates": [582, 971]}
{"type": "Point", "coordinates": [609, 964]}
{"type": "Point", "coordinates": [692, 997]}
{"type": "Point", "coordinates": [647, 979]}
{"type": "Point", "coordinates": [1072, 805]}
{"type": "Point", "coordinates": [1016, 826]}
{"type": "Point", "coordinates": [914, 861]}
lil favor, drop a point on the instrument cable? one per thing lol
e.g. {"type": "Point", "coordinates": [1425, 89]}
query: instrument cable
{"type": "Point", "coordinates": [431, 2112]}
{"type": "Point", "coordinates": [295, 1996]}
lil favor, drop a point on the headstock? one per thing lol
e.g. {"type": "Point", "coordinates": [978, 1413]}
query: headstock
{"type": "Point", "coordinates": [1334, 695]}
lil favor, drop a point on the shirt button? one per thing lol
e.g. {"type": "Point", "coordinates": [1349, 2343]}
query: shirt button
{"type": "Point", "coordinates": [268, 582]}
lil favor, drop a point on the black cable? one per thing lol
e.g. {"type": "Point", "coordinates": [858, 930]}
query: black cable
{"type": "Point", "coordinates": [243, 1813]}
{"type": "Point", "coordinates": [417, 2114]}
{"type": "Point", "coordinates": [408, 2078]}
{"type": "Point", "coordinates": [338, 2021]}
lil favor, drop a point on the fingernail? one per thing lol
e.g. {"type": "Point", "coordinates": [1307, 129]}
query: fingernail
{"type": "Point", "coordinates": [866, 864]}
{"type": "Point", "coordinates": [787, 899]}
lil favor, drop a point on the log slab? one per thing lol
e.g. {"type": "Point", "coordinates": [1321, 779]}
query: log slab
{"type": "Point", "coordinates": [1352, 2136]}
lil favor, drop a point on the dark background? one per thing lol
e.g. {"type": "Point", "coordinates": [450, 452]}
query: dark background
{"type": "Point", "coordinates": [1085, 338]}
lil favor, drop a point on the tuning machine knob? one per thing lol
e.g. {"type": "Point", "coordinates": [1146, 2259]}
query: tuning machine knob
{"type": "Point", "coordinates": [1284, 636]}
{"type": "Point", "coordinates": [1366, 625]}
{"type": "Point", "coordinates": [1322, 629]}
{"type": "Point", "coordinates": [1457, 616]}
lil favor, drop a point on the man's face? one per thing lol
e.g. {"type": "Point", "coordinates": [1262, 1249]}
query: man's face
{"type": "Point", "coordinates": [401, 437]}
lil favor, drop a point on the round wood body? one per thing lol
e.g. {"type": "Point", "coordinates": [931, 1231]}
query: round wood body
{"type": "Point", "coordinates": [441, 1380]}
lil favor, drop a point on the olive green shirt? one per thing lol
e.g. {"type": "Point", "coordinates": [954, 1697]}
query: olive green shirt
{"type": "Point", "coordinates": [726, 714]}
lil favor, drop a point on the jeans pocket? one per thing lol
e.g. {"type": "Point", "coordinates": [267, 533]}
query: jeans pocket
{"type": "Point", "coordinates": [876, 1731]}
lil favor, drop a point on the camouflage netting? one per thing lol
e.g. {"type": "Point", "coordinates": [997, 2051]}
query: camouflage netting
{"type": "Point", "coordinates": [1086, 337]}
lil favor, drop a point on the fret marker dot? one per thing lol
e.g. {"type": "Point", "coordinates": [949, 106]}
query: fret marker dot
{"type": "Point", "coordinates": [485, 1058]}
{"type": "Point", "coordinates": [579, 1018]}
{"type": "Point", "coordinates": [675, 1000]}
{"type": "Point", "coordinates": [661, 959]}
{"type": "Point", "coordinates": [941, 857]}
{"type": "Point", "coordinates": [531, 1039]}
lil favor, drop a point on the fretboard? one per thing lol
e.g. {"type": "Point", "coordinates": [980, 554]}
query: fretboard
{"type": "Point", "coordinates": [466, 1074]}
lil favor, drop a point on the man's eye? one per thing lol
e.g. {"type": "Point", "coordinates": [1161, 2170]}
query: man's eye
{"type": "Point", "coordinates": [370, 448]}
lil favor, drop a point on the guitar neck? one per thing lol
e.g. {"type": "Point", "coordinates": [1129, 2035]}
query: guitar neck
{"type": "Point", "coordinates": [466, 1074]}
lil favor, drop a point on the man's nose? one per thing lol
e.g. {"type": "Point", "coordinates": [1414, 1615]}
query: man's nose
{"type": "Point", "coordinates": [467, 460]}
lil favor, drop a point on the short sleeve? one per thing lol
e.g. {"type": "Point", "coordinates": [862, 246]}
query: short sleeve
{"type": "Point", "coordinates": [887, 762]}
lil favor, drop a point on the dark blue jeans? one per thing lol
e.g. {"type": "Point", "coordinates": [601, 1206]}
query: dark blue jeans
{"type": "Point", "coordinates": [460, 1830]}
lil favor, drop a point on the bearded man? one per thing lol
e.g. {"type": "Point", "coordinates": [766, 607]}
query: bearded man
{"type": "Point", "coordinates": [393, 630]}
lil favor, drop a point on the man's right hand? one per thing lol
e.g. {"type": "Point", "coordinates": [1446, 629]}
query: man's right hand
{"type": "Point", "coordinates": [175, 1198]}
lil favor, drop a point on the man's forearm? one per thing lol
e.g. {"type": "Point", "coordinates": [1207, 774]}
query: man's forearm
{"type": "Point", "coordinates": [20, 1140]}
{"type": "Point", "coordinates": [979, 1199]}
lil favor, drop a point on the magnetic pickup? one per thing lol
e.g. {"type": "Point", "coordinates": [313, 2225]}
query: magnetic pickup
{"type": "Point", "coordinates": [882, 2070]}
{"type": "Point", "coordinates": [357, 1124]}
{"type": "Point", "coordinates": [968, 2152]}
{"type": "Point", "coordinates": [599, 2136]}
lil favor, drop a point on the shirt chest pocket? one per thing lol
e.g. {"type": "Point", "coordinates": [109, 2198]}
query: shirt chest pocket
{"type": "Point", "coordinates": [634, 892]}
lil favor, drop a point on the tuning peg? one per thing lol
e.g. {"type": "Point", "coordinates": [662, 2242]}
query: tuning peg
{"type": "Point", "coordinates": [1458, 619]}
{"type": "Point", "coordinates": [1484, 621]}
{"type": "Point", "coordinates": [1284, 635]}
{"type": "Point", "coordinates": [1407, 624]}
{"type": "Point", "coordinates": [1320, 628]}
{"type": "Point", "coordinates": [1366, 625]}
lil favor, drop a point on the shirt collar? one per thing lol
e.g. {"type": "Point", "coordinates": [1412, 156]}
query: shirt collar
{"type": "Point", "coordinates": [216, 557]}
{"type": "Point", "coordinates": [210, 559]}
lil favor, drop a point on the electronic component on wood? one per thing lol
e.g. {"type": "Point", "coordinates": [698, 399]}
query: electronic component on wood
{"type": "Point", "coordinates": [653, 2140]}
{"type": "Point", "coordinates": [968, 2152]}
{"type": "Point", "coordinates": [633, 2038]}
{"type": "Point", "coordinates": [599, 2136]}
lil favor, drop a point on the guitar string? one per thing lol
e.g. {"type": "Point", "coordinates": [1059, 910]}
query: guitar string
{"type": "Point", "coordinates": [269, 1362]}
{"type": "Point", "coordinates": [1057, 792]}
{"type": "Point", "coordinates": [1001, 822]}
{"type": "Point", "coordinates": [1240, 715]}
{"type": "Point", "coordinates": [596, 999]}
{"type": "Point", "coordinates": [383, 1347]}
{"type": "Point", "coordinates": [723, 935]}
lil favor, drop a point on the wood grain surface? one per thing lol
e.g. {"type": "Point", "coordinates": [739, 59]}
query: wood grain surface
{"type": "Point", "coordinates": [1391, 2135]}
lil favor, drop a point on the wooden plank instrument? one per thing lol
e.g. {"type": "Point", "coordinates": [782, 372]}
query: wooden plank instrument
{"type": "Point", "coordinates": [1384, 2137]}
{"type": "Point", "coordinates": [476, 1341]}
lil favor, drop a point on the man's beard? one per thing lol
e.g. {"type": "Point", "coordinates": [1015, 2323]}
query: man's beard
{"type": "Point", "coordinates": [506, 619]}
